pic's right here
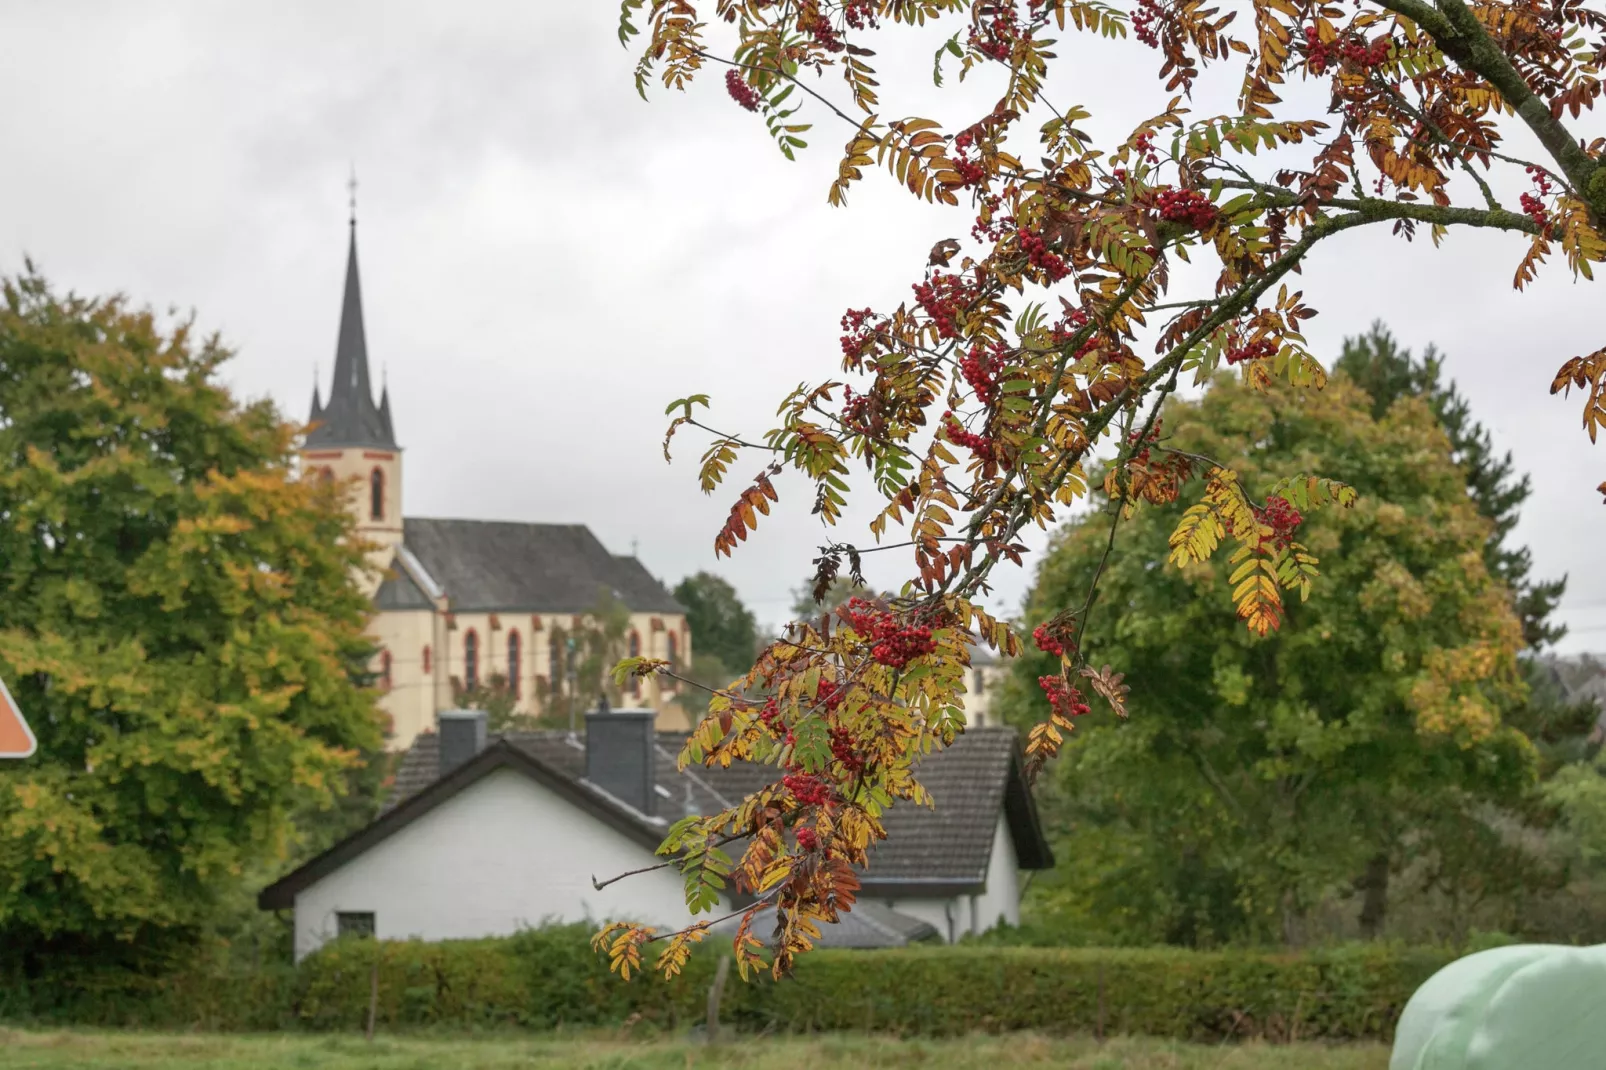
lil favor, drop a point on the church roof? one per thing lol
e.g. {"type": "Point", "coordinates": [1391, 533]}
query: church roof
{"type": "Point", "coordinates": [351, 418]}
{"type": "Point", "coordinates": [506, 566]}
{"type": "Point", "coordinates": [398, 591]}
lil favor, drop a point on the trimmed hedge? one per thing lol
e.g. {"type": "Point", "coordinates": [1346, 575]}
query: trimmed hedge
{"type": "Point", "coordinates": [549, 978]}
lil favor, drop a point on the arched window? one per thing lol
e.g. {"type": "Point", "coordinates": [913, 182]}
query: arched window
{"type": "Point", "coordinates": [384, 669]}
{"type": "Point", "coordinates": [554, 655]}
{"type": "Point", "coordinates": [514, 668]}
{"type": "Point", "coordinates": [674, 652]}
{"type": "Point", "coordinates": [635, 652]}
{"type": "Point", "coordinates": [326, 474]}
{"type": "Point", "coordinates": [471, 660]}
{"type": "Point", "coordinates": [376, 494]}
{"type": "Point", "coordinates": [426, 659]}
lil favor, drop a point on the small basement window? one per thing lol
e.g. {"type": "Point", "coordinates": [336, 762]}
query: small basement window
{"type": "Point", "coordinates": [354, 923]}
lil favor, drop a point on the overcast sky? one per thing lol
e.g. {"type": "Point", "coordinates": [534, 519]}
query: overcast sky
{"type": "Point", "coordinates": [547, 260]}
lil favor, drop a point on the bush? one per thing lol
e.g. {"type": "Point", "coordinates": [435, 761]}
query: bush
{"type": "Point", "coordinates": [547, 978]}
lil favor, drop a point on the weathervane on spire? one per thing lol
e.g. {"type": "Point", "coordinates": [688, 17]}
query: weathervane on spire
{"type": "Point", "coordinates": [351, 185]}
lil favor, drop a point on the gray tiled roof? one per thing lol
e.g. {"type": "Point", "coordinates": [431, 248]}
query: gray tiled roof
{"type": "Point", "coordinates": [505, 566]}
{"type": "Point", "coordinates": [971, 782]}
{"type": "Point", "coordinates": [398, 591]}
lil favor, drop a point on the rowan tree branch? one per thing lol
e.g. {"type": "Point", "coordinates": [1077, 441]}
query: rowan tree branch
{"type": "Point", "coordinates": [1459, 35]}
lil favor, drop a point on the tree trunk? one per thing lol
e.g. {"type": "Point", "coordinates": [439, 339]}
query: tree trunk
{"type": "Point", "coordinates": [1375, 894]}
{"type": "Point", "coordinates": [715, 991]}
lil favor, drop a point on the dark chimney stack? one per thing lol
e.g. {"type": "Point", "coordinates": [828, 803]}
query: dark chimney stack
{"type": "Point", "coordinates": [620, 755]}
{"type": "Point", "coordinates": [462, 737]}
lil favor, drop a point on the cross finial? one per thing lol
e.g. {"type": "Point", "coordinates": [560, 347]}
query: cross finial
{"type": "Point", "coordinates": [351, 187]}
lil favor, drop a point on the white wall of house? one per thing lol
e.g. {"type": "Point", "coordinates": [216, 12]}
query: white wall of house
{"type": "Point", "coordinates": [954, 917]}
{"type": "Point", "coordinates": [505, 853]}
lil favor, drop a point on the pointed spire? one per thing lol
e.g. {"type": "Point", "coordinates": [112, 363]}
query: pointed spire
{"type": "Point", "coordinates": [350, 418]}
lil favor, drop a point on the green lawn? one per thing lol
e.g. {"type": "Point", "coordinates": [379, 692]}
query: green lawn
{"type": "Point", "coordinates": [41, 1050]}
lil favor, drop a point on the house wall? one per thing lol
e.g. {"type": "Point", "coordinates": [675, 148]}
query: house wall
{"type": "Point", "coordinates": [504, 854]}
{"type": "Point", "coordinates": [982, 685]}
{"type": "Point", "coordinates": [956, 916]}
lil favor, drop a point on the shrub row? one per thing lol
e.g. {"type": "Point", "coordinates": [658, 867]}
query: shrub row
{"type": "Point", "coordinates": [549, 978]}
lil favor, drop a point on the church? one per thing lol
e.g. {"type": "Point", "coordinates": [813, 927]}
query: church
{"type": "Point", "coordinates": [464, 604]}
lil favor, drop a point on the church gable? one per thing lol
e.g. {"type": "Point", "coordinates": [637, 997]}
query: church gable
{"type": "Point", "coordinates": [399, 592]}
{"type": "Point", "coordinates": [499, 566]}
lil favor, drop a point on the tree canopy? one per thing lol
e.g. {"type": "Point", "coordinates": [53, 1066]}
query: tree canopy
{"type": "Point", "coordinates": [1052, 316]}
{"type": "Point", "coordinates": [1372, 724]}
{"type": "Point", "coordinates": [721, 626]}
{"type": "Point", "coordinates": [1387, 372]}
{"type": "Point", "coordinates": [181, 625]}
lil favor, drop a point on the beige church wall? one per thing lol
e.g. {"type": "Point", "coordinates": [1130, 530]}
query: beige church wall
{"type": "Point", "coordinates": [410, 700]}
{"type": "Point", "coordinates": [535, 655]}
{"type": "Point", "coordinates": [355, 467]}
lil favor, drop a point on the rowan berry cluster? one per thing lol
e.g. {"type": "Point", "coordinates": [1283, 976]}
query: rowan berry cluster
{"type": "Point", "coordinates": [770, 712]}
{"type": "Point", "coordinates": [1533, 206]}
{"type": "Point", "coordinates": [831, 694]}
{"type": "Point", "coordinates": [1283, 519]}
{"type": "Point", "coordinates": [945, 298]}
{"type": "Point", "coordinates": [990, 225]}
{"type": "Point", "coordinates": [980, 445]}
{"type": "Point", "coordinates": [819, 27]}
{"type": "Point", "coordinates": [859, 14]}
{"type": "Point", "coordinates": [1143, 22]}
{"type": "Point", "coordinates": [1041, 257]}
{"type": "Point", "coordinates": [1067, 327]}
{"type": "Point", "coordinates": [842, 750]}
{"type": "Point", "coordinates": [1138, 438]}
{"type": "Point", "coordinates": [1260, 347]}
{"type": "Point", "coordinates": [1050, 641]}
{"type": "Point", "coordinates": [807, 839]}
{"type": "Point", "coordinates": [896, 645]}
{"type": "Point", "coordinates": [859, 413]}
{"type": "Point", "coordinates": [807, 789]}
{"type": "Point", "coordinates": [971, 172]}
{"type": "Point", "coordinates": [1356, 51]}
{"type": "Point", "coordinates": [1144, 145]}
{"type": "Point", "coordinates": [740, 91]}
{"type": "Point", "coordinates": [857, 333]}
{"type": "Point", "coordinates": [1185, 206]}
{"type": "Point", "coordinates": [979, 367]}
{"type": "Point", "coordinates": [996, 38]}
{"type": "Point", "coordinates": [1065, 699]}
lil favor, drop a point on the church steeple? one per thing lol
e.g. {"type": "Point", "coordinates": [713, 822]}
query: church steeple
{"type": "Point", "coordinates": [351, 418]}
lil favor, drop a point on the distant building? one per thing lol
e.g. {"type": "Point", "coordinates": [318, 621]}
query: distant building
{"type": "Point", "coordinates": [484, 835]}
{"type": "Point", "coordinates": [460, 602]}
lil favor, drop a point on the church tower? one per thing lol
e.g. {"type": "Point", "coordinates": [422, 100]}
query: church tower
{"type": "Point", "coordinates": [351, 439]}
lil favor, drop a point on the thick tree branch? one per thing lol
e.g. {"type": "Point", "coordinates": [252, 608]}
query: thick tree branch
{"type": "Point", "coordinates": [1459, 35]}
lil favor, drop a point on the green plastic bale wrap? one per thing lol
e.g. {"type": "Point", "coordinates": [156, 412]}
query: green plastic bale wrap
{"type": "Point", "coordinates": [1527, 1007]}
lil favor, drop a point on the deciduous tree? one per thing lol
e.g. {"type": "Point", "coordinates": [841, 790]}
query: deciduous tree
{"type": "Point", "coordinates": [1044, 325]}
{"type": "Point", "coordinates": [181, 625]}
{"type": "Point", "coordinates": [1375, 719]}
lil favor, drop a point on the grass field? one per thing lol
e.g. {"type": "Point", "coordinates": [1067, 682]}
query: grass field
{"type": "Point", "coordinates": [42, 1050]}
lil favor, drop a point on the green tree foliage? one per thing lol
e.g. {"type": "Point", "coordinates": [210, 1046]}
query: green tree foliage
{"type": "Point", "coordinates": [721, 626]}
{"type": "Point", "coordinates": [1259, 775]}
{"type": "Point", "coordinates": [1387, 372]}
{"type": "Point", "coordinates": [181, 625]}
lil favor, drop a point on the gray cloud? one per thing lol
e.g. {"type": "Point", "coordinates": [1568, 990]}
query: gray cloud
{"type": "Point", "coordinates": [547, 260]}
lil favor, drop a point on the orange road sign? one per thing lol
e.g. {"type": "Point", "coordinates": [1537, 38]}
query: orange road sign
{"type": "Point", "coordinates": [16, 738]}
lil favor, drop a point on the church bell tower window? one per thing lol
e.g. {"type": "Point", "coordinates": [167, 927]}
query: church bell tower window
{"type": "Point", "coordinates": [376, 494]}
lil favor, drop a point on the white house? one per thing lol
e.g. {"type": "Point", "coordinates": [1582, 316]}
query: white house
{"type": "Point", "coordinates": [483, 837]}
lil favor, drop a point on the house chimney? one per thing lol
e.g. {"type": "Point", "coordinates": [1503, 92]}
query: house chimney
{"type": "Point", "coordinates": [620, 755]}
{"type": "Point", "coordinates": [462, 737]}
